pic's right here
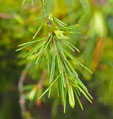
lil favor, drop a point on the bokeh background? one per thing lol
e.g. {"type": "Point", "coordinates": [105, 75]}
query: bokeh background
{"type": "Point", "coordinates": [17, 25]}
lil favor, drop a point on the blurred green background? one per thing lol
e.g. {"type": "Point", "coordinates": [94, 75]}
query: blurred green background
{"type": "Point", "coordinates": [17, 25]}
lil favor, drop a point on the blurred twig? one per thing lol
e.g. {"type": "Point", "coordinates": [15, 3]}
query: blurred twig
{"type": "Point", "coordinates": [20, 88]}
{"type": "Point", "coordinates": [5, 16]}
{"type": "Point", "coordinates": [97, 54]}
{"type": "Point", "coordinates": [40, 83]}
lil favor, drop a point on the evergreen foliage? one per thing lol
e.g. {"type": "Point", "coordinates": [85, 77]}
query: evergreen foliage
{"type": "Point", "coordinates": [55, 38]}
{"type": "Point", "coordinates": [52, 51]}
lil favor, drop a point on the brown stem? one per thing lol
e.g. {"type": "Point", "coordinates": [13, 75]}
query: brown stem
{"type": "Point", "coordinates": [40, 83]}
{"type": "Point", "coordinates": [97, 54]}
{"type": "Point", "coordinates": [20, 88]}
{"type": "Point", "coordinates": [5, 16]}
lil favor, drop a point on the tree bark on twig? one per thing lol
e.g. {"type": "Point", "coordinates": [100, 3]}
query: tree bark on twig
{"type": "Point", "coordinates": [20, 88]}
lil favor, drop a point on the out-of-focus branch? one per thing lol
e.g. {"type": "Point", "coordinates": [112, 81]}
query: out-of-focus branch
{"type": "Point", "coordinates": [40, 83]}
{"type": "Point", "coordinates": [20, 88]}
{"type": "Point", "coordinates": [103, 2]}
{"type": "Point", "coordinates": [97, 54]}
{"type": "Point", "coordinates": [5, 16]}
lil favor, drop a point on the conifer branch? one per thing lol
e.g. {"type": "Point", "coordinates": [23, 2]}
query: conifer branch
{"type": "Point", "coordinates": [53, 49]}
